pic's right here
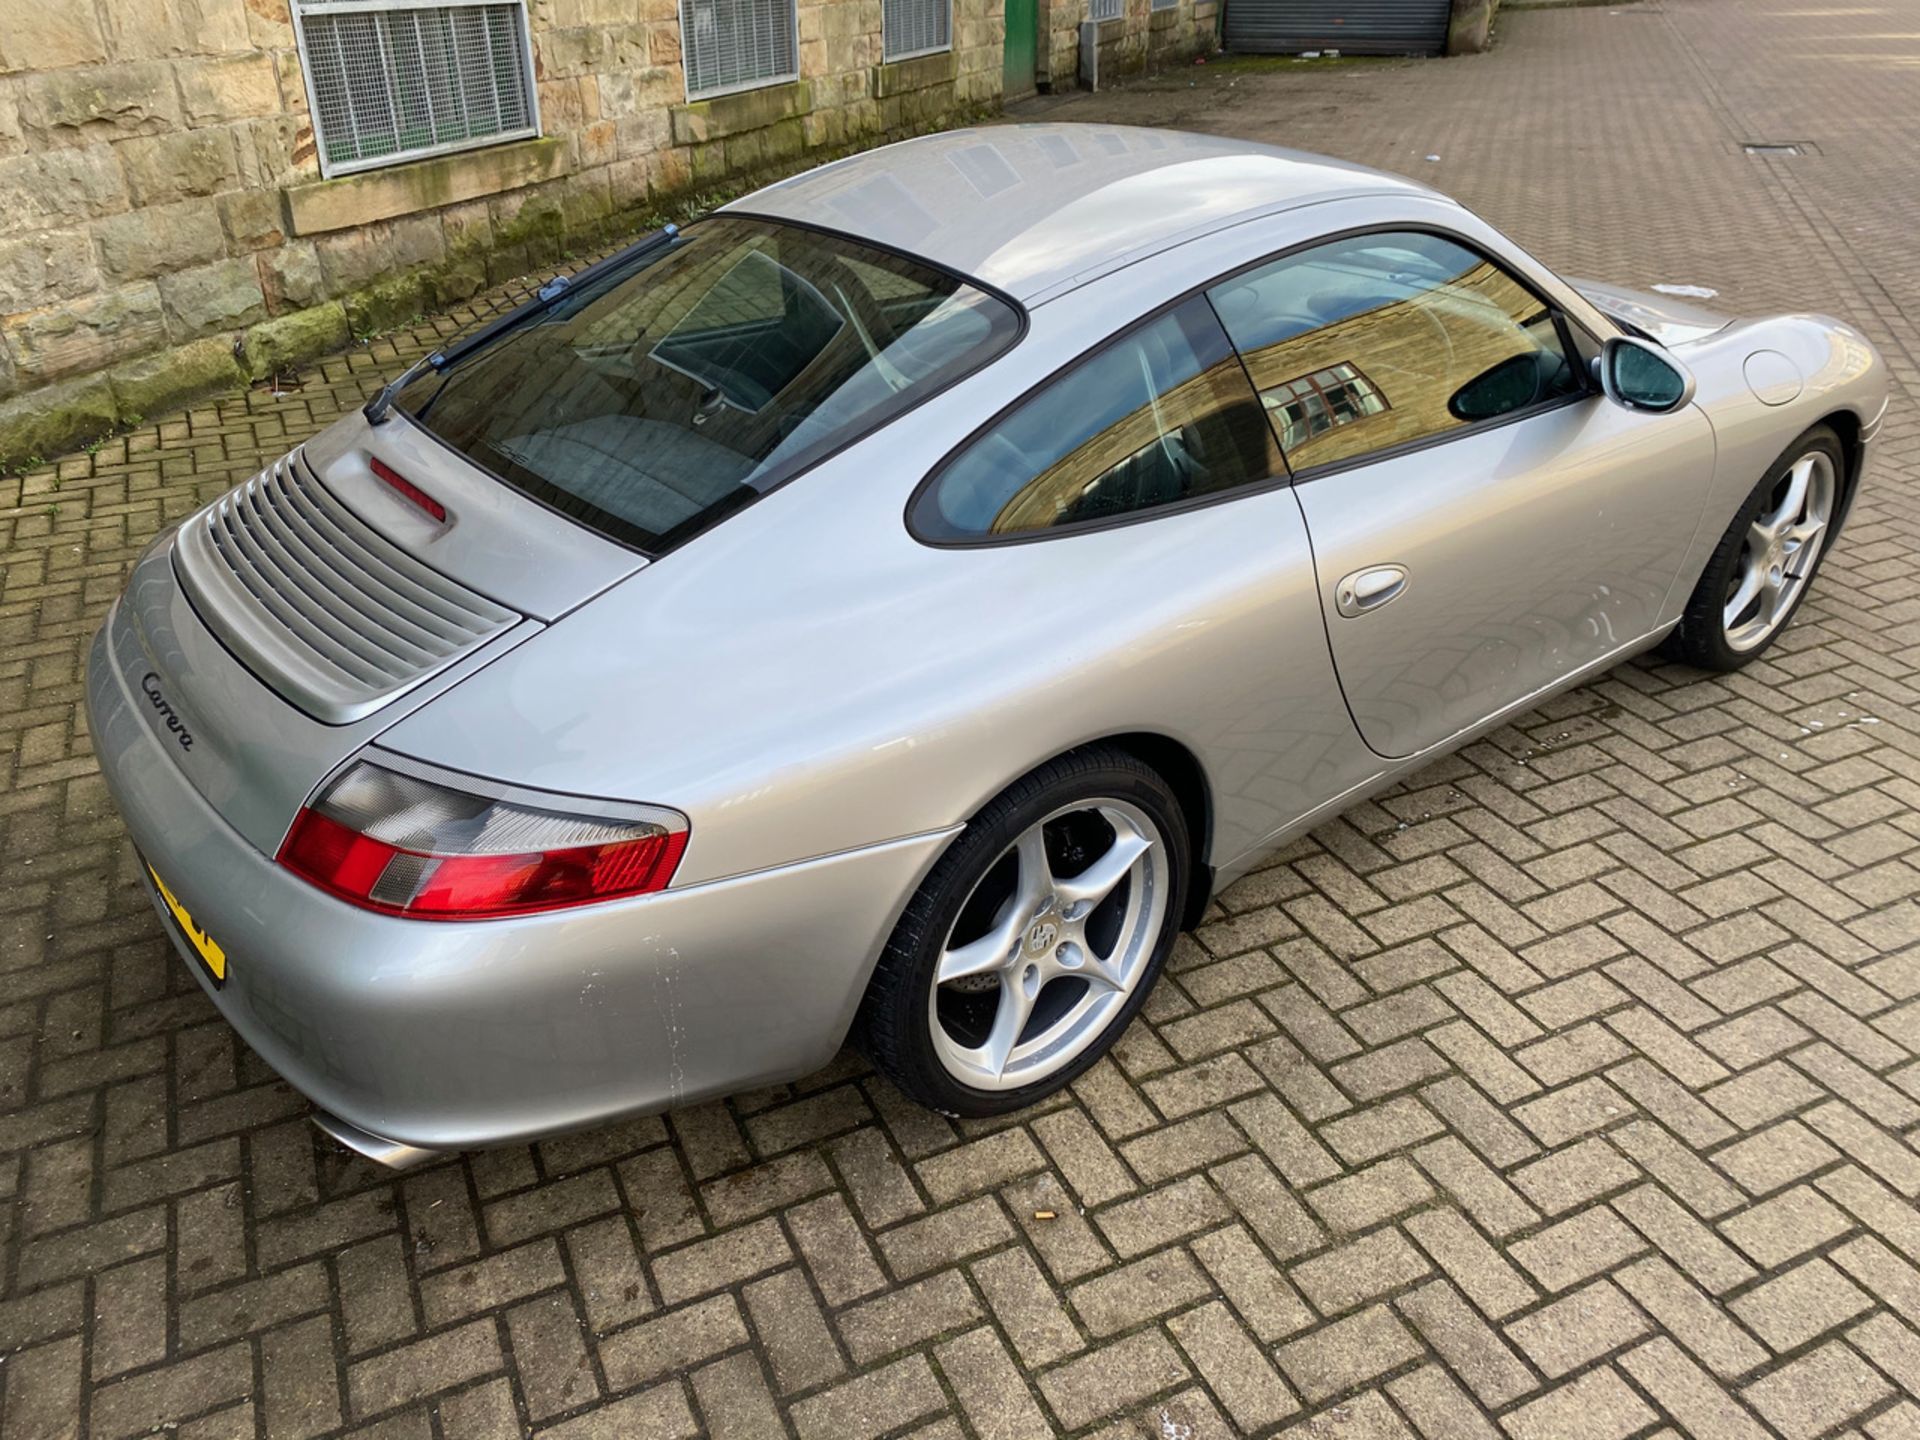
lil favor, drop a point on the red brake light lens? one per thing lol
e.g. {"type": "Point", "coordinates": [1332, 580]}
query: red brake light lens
{"type": "Point", "coordinates": [405, 845]}
{"type": "Point", "coordinates": [398, 482]}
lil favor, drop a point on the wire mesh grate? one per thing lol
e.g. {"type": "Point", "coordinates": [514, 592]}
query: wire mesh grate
{"type": "Point", "coordinates": [915, 27]}
{"type": "Point", "coordinates": [736, 44]}
{"type": "Point", "coordinates": [393, 82]}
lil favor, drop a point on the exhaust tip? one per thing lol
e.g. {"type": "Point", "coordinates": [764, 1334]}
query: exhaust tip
{"type": "Point", "coordinates": [390, 1153]}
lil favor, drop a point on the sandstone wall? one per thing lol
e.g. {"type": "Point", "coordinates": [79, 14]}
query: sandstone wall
{"type": "Point", "coordinates": [1141, 38]}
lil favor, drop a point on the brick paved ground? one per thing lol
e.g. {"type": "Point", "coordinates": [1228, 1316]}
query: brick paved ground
{"type": "Point", "coordinates": [1568, 1092]}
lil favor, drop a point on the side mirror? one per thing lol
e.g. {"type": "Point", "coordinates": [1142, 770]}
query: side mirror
{"type": "Point", "coordinates": [1642, 376]}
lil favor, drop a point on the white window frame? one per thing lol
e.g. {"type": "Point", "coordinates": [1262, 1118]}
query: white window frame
{"type": "Point", "coordinates": [1101, 11]}
{"type": "Point", "coordinates": [759, 83]}
{"type": "Point", "coordinates": [889, 55]}
{"type": "Point", "coordinates": [302, 9]}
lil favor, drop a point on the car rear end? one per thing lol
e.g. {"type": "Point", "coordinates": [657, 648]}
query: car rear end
{"type": "Point", "coordinates": [439, 959]}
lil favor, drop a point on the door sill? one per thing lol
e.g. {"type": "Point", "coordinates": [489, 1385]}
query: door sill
{"type": "Point", "coordinates": [1397, 766]}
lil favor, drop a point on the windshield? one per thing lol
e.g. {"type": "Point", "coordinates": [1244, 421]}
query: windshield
{"type": "Point", "coordinates": [656, 398]}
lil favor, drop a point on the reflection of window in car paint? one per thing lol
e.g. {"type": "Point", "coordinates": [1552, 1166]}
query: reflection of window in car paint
{"type": "Point", "coordinates": [984, 168]}
{"type": "Point", "coordinates": [1058, 149]}
{"type": "Point", "coordinates": [1162, 415]}
{"type": "Point", "coordinates": [907, 219]}
{"type": "Point", "coordinates": [1421, 320]}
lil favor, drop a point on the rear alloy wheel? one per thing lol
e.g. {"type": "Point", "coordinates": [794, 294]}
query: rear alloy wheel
{"type": "Point", "coordinates": [1035, 939]}
{"type": "Point", "coordinates": [1760, 571]}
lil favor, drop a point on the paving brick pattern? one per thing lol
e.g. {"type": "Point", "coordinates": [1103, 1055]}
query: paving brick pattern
{"type": "Point", "coordinates": [1567, 1093]}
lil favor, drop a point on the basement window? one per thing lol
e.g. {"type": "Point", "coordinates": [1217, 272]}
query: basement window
{"type": "Point", "coordinates": [730, 45]}
{"type": "Point", "coordinates": [915, 27]}
{"type": "Point", "coordinates": [395, 80]}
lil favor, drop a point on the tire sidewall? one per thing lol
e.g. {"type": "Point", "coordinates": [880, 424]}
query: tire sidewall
{"type": "Point", "coordinates": [953, 880]}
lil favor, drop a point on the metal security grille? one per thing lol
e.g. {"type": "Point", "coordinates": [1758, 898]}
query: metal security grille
{"type": "Point", "coordinates": [1353, 27]}
{"type": "Point", "coordinates": [393, 80]}
{"type": "Point", "coordinates": [1166, 4]}
{"type": "Point", "coordinates": [738, 44]}
{"type": "Point", "coordinates": [1104, 9]}
{"type": "Point", "coordinates": [915, 27]}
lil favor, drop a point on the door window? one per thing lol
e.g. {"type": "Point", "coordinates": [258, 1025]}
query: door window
{"type": "Point", "coordinates": [1377, 340]}
{"type": "Point", "coordinates": [1161, 416]}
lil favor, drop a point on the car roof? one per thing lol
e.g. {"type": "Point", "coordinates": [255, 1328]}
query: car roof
{"type": "Point", "coordinates": [1037, 210]}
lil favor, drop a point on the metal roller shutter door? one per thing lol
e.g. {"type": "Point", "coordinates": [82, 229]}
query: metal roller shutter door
{"type": "Point", "coordinates": [1353, 27]}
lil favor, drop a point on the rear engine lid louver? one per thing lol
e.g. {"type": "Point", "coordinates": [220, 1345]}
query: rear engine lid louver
{"type": "Point", "coordinates": [318, 604]}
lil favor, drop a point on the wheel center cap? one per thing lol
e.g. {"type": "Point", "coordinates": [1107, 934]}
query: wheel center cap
{"type": "Point", "coordinates": [1775, 560]}
{"type": "Point", "coordinates": [1041, 937]}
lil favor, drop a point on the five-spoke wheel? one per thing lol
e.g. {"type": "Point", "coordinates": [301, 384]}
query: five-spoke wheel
{"type": "Point", "coordinates": [1777, 558]}
{"type": "Point", "coordinates": [1051, 942]}
{"type": "Point", "coordinates": [1759, 572]}
{"type": "Point", "coordinates": [1035, 939]}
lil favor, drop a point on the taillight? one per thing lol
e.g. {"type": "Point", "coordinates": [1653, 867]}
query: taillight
{"type": "Point", "coordinates": [409, 846]}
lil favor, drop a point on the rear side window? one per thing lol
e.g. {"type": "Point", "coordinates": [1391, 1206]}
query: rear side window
{"type": "Point", "coordinates": [660, 397]}
{"type": "Point", "coordinates": [1162, 415]}
{"type": "Point", "coordinates": [1377, 340]}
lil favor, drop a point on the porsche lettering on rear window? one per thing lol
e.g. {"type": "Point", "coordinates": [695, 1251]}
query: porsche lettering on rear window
{"type": "Point", "coordinates": [661, 397]}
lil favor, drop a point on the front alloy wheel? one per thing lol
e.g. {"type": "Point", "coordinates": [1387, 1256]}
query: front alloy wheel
{"type": "Point", "coordinates": [1758, 574]}
{"type": "Point", "coordinates": [1035, 939]}
{"type": "Point", "coordinates": [1778, 552]}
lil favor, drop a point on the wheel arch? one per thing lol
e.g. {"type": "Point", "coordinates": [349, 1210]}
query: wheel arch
{"type": "Point", "coordinates": [881, 1025]}
{"type": "Point", "coordinates": [1181, 769]}
{"type": "Point", "coordinates": [1846, 425]}
{"type": "Point", "coordinates": [1175, 763]}
{"type": "Point", "coordinates": [1699, 639]}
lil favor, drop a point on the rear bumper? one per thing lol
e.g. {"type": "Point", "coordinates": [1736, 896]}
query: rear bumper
{"type": "Point", "coordinates": [453, 1036]}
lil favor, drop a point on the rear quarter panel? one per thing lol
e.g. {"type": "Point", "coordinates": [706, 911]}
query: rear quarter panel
{"type": "Point", "coordinates": [808, 677]}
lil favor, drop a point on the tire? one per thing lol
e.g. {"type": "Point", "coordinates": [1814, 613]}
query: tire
{"type": "Point", "coordinates": [1012, 905]}
{"type": "Point", "coordinates": [1760, 548]}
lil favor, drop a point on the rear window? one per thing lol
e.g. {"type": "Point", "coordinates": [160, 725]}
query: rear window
{"type": "Point", "coordinates": [657, 398]}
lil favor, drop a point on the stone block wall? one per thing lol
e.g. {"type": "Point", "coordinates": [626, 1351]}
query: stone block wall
{"type": "Point", "coordinates": [1470, 25]}
{"type": "Point", "coordinates": [1140, 39]}
{"type": "Point", "coordinates": [165, 232]}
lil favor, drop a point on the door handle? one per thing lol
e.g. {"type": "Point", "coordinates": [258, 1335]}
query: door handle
{"type": "Point", "coordinates": [1369, 589]}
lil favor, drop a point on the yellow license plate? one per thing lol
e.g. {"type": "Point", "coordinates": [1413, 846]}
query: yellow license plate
{"type": "Point", "coordinates": [204, 945]}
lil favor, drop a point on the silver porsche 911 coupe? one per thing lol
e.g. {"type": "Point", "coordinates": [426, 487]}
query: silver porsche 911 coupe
{"type": "Point", "coordinates": [887, 609]}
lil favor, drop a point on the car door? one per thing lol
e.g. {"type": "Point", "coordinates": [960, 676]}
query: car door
{"type": "Point", "coordinates": [1483, 523]}
{"type": "Point", "coordinates": [1127, 530]}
